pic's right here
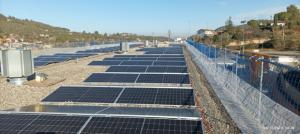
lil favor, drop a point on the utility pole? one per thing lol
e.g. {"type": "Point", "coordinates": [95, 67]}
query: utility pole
{"type": "Point", "coordinates": [283, 36]}
{"type": "Point", "coordinates": [153, 37]}
{"type": "Point", "coordinates": [169, 35]}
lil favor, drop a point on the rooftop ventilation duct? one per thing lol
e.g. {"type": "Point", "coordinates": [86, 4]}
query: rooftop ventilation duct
{"type": "Point", "coordinates": [16, 65]}
{"type": "Point", "coordinates": [124, 47]}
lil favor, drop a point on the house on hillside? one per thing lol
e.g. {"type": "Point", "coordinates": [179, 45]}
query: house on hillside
{"type": "Point", "coordinates": [279, 23]}
{"type": "Point", "coordinates": [206, 33]}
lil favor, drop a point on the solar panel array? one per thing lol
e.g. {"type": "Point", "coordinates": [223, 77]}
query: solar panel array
{"type": "Point", "coordinates": [137, 63]}
{"type": "Point", "coordinates": [139, 78]}
{"type": "Point", "coordinates": [148, 69]}
{"type": "Point", "coordinates": [167, 96]}
{"type": "Point", "coordinates": [62, 124]}
{"type": "Point", "coordinates": [44, 60]}
{"type": "Point", "coordinates": [104, 109]}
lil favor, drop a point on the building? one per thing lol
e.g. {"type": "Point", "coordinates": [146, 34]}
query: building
{"type": "Point", "coordinates": [279, 23]}
{"type": "Point", "coordinates": [206, 33]}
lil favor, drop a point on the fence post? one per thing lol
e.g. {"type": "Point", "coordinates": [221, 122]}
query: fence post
{"type": "Point", "coordinates": [224, 58]}
{"type": "Point", "coordinates": [208, 51]}
{"type": "Point", "coordinates": [216, 70]}
{"type": "Point", "coordinates": [260, 87]}
{"type": "Point", "coordinates": [236, 72]}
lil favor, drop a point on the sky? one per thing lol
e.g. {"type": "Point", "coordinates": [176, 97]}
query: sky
{"type": "Point", "coordinates": [145, 17]}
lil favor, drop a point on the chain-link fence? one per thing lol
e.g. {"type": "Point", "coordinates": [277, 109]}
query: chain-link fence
{"type": "Point", "coordinates": [269, 91]}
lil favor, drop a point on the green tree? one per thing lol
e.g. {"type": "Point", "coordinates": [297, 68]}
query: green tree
{"type": "Point", "coordinates": [229, 25]}
{"type": "Point", "coordinates": [96, 32]}
{"type": "Point", "coordinates": [253, 23]}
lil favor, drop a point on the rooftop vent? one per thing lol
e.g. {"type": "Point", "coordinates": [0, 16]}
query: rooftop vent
{"type": "Point", "coordinates": [124, 47]}
{"type": "Point", "coordinates": [16, 65]}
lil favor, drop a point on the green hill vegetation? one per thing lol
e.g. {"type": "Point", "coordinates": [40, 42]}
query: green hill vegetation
{"type": "Point", "coordinates": [32, 31]}
{"type": "Point", "coordinates": [282, 37]}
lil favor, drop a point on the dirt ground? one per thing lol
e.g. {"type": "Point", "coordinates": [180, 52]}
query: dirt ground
{"type": "Point", "coordinates": [66, 73]}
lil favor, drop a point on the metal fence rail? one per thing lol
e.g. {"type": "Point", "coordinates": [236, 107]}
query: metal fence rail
{"type": "Point", "coordinates": [268, 91]}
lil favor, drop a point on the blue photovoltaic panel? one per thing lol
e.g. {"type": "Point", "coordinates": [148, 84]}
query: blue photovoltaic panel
{"type": "Point", "coordinates": [169, 63]}
{"type": "Point", "coordinates": [157, 96]}
{"type": "Point", "coordinates": [68, 124]}
{"type": "Point", "coordinates": [117, 69]}
{"type": "Point", "coordinates": [141, 58]}
{"type": "Point", "coordinates": [100, 77]}
{"type": "Point", "coordinates": [142, 78]}
{"type": "Point", "coordinates": [35, 124]}
{"type": "Point", "coordinates": [138, 96]}
{"type": "Point", "coordinates": [171, 59]}
{"type": "Point", "coordinates": [163, 126]}
{"type": "Point", "coordinates": [84, 94]}
{"type": "Point", "coordinates": [113, 125]}
{"type": "Point", "coordinates": [150, 78]}
{"type": "Point", "coordinates": [127, 78]}
{"type": "Point", "coordinates": [176, 78]}
{"type": "Point", "coordinates": [113, 77]}
{"type": "Point", "coordinates": [137, 63]}
{"type": "Point", "coordinates": [136, 69]}
{"type": "Point", "coordinates": [176, 70]}
{"type": "Point", "coordinates": [155, 69]}
{"type": "Point", "coordinates": [104, 125]}
{"type": "Point", "coordinates": [127, 69]}
{"type": "Point", "coordinates": [121, 58]}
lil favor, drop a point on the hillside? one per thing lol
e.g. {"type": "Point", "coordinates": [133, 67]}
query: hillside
{"type": "Point", "coordinates": [33, 31]}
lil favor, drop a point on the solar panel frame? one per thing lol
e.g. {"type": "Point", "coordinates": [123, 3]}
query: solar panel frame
{"type": "Point", "coordinates": [104, 63]}
{"type": "Point", "coordinates": [137, 63]}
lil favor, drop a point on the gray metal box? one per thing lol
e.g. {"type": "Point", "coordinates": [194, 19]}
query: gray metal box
{"type": "Point", "coordinates": [16, 63]}
{"type": "Point", "coordinates": [124, 46]}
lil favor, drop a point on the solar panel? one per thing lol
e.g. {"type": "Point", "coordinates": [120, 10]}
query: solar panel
{"type": "Point", "coordinates": [40, 63]}
{"type": "Point", "coordinates": [84, 94]}
{"type": "Point", "coordinates": [136, 63]}
{"type": "Point", "coordinates": [162, 126]}
{"type": "Point", "coordinates": [118, 58]}
{"type": "Point", "coordinates": [175, 112]}
{"type": "Point", "coordinates": [176, 70]}
{"type": "Point", "coordinates": [167, 63]}
{"type": "Point", "coordinates": [129, 78]}
{"type": "Point", "coordinates": [55, 124]}
{"type": "Point", "coordinates": [10, 123]}
{"type": "Point", "coordinates": [150, 78]}
{"type": "Point", "coordinates": [171, 59]}
{"type": "Point", "coordinates": [41, 108]}
{"type": "Point", "coordinates": [136, 68]}
{"type": "Point", "coordinates": [142, 78]}
{"type": "Point", "coordinates": [107, 63]}
{"type": "Point", "coordinates": [138, 96]}
{"type": "Point", "coordinates": [14, 123]}
{"type": "Point", "coordinates": [103, 125]}
{"type": "Point", "coordinates": [176, 78]}
{"type": "Point", "coordinates": [141, 58]}
{"type": "Point", "coordinates": [117, 69]}
{"type": "Point", "coordinates": [175, 97]}
{"type": "Point", "coordinates": [157, 96]}
{"type": "Point", "coordinates": [155, 69]}
{"type": "Point", "coordinates": [100, 77]}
